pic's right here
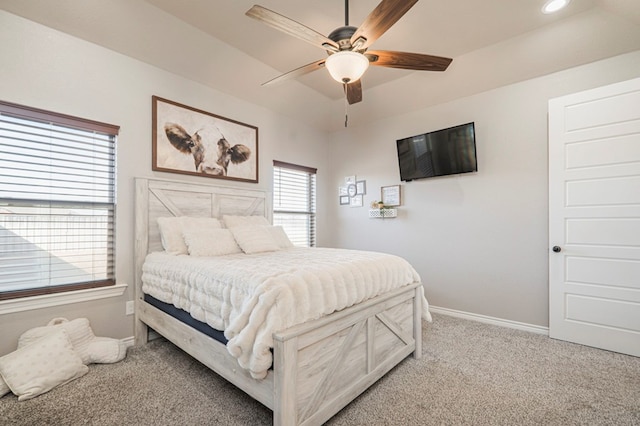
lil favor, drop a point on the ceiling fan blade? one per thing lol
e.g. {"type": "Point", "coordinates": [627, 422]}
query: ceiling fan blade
{"type": "Point", "coordinates": [305, 69]}
{"type": "Point", "coordinates": [354, 92]}
{"type": "Point", "coordinates": [380, 20]}
{"type": "Point", "coordinates": [407, 61]}
{"type": "Point", "coordinates": [291, 27]}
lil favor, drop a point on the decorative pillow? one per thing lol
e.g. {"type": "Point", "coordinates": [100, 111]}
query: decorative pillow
{"type": "Point", "coordinates": [172, 228]}
{"type": "Point", "coordinates": [78, 330]}
{"type": "Point", "coordinates": [236, 221]}
{"type": "Point", "coordinates": [254, 239]}
{"type": "Point", "coordinates": [42, 365]}
{"type": "Point", "coordinates": [280, 237]}
{"type": "Point", "coordinates": [4, 389]}
{"type": "Point", "coordinates": [90, 348]}
{"type": "Point", "coordinates": [211, 242]}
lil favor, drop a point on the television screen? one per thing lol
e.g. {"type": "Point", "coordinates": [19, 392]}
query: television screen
{"type": "Point", "coordinates": [443, 152]}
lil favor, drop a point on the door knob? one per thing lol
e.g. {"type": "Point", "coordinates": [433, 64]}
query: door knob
{"type": "Point", "coordinates": [557, 249]}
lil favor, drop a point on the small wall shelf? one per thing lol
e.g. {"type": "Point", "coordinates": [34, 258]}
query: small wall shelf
{"type": "Point", "coordinates": [382, 213]}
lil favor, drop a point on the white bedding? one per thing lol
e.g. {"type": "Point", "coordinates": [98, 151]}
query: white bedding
{"type": "Point", "coordinates": [251, 296]}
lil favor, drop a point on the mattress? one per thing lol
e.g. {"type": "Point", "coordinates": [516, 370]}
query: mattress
{"type": "Point", "coordinates": [184, 317]}
{"type": "Point", "coordinates": [251, 296]}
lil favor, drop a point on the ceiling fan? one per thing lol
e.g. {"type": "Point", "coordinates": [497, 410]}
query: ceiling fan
{"type": "Point", "coordinates": [347, 46]}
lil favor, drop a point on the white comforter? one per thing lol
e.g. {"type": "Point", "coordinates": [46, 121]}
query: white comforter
{"type": "Point", "coordinates": [251, 296]}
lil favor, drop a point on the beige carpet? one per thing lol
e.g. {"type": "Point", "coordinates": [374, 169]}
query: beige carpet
{"type": "Point", "coordinates": [471, 374]}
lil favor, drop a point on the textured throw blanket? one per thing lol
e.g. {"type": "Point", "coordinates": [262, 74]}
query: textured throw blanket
{"type": "Point", "coordinates": [251, 296]}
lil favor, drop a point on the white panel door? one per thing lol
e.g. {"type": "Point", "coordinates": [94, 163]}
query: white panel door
{"type": "Point", "coordinates": [594, 217]}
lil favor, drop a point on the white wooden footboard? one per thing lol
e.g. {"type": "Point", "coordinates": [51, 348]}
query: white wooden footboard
{"type": "Point", "coordinates": [322, 366]}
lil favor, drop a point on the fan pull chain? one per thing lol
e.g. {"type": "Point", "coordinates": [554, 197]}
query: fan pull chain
{"type": "Point", "coordinates": [346, 107]}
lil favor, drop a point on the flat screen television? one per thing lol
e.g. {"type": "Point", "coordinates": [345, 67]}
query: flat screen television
{"type": "Point", "coordinates": [443, 152]}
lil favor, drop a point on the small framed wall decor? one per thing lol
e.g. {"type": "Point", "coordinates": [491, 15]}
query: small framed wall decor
{"type": "Point", "coordinates": [356, 201]}
{"type": "Point", "coordinates": [349, 179]}
{"type": "Point", "coordinates": [352, 190]}
{"type": "Point", "coordinates": [390, 195]}
{"type": "Point", "coordinates": [344, 200]}
{"type": "Point", "coordinates": [361, 187]}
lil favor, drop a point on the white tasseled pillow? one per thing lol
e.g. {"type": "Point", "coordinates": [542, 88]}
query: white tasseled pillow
{"type": "Point", "coordinates": [254, 239]}
{"type": "Point", "coordinates": [41, 365]}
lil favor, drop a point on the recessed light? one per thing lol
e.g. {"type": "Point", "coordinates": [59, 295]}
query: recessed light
{"type": "Point", "coordinates": [552, 6]}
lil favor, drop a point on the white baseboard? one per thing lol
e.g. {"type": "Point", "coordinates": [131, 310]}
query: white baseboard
{"type": "Point", "coordinates": [491, 320]}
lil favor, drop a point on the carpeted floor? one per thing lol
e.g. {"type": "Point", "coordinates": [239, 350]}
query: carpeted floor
{"type": "Point", "coordinates": [471, 374]}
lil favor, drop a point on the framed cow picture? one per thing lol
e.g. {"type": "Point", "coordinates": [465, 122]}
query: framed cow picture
{"type": "Point", "coordinates": [195, 142]}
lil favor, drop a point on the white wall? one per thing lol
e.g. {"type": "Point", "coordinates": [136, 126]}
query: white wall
{"type": "Point", "coordinates": [44, 68]}
{"type": "Point", "coordinates": [479, 241]}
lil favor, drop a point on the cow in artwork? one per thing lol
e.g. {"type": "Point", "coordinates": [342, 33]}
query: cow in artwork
{"type": "Point", "coordinates": [207, 160]}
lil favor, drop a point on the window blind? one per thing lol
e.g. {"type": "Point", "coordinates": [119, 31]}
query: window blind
{"type": "Point", "coordinates": [294, 202]}
{"type": "Point", "coordinates": [57, 202]}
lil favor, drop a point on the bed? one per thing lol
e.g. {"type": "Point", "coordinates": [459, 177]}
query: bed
{"type": "Point", "coordinates": [316, 367]}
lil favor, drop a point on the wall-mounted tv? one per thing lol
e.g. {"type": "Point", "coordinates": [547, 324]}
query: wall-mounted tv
{"type": "Point", "coordinates": [443, 152]}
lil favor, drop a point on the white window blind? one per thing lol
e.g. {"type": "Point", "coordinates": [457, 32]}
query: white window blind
{"type": "Point", "coordinates": [294, 202]}
{"type": "Point", "coordinates": [57, 202]}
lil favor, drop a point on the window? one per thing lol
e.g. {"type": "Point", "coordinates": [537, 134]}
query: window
{"type": "Point", "coordinates": [57, 202]}
{"type": "Point", "coordinates": [294, 202]}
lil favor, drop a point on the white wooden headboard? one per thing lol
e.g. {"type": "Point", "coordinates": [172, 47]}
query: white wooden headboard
{"type": "Point", "coordinates": [162, 198]}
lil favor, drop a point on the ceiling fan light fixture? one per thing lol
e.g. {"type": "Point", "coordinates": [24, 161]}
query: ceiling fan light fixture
{"type": "Point", "coordinates": [346, 66]}
{"type": "Point", "coordinates": [552, 6]}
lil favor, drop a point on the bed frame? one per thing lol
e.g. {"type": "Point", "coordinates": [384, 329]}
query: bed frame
{"type": "Point", "coordinates": [320, 366]}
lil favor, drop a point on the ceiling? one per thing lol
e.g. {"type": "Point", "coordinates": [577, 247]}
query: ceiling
{"type": "Point", "coordinates": [492, 42]}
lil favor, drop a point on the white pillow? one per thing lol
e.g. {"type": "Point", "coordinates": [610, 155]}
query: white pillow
{"type": "Point", "coordinates": [172, 228]}
{"type": "Point", "coordinates": [78, 330]}
{"type": "Point", "coordinates": [254, 239]}
{"type": "Point", "coordinates": [236, 221]}
{"type": "Point", "coordinates": [42, 365]}
{"type": "Point", "coordinates": [4, 389]}
{"type": "Point", "coordinates": [211, 242]}
{"type": "Point", "coordinates": [280, 237]}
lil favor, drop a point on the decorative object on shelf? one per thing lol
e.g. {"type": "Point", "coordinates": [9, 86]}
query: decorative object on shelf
{"type": "Point", "coordinates": [375, 204]}
{"type": "Point", "coordinates": [382, 213]}
{"type": "Point", "coordinates": [191, 141]}
{"type": "Point", "coordinates": [379, 210]}
{"type": "Point", "coordinates": [391, 195]}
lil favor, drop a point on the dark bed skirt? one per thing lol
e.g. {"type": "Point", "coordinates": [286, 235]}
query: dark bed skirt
{"type": "Point", "coordinates": [186, 318]}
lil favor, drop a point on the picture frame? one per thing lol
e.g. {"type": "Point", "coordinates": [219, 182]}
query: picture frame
{"type": "Point", "coordinates": [342, 190]}
{"type": "Point", "coordinates": [349, 179]}
{"type": "Point", "coordinates": [191, 141]}
{"type": "Point", "coordinates": [344, 200]}
{"type": "Point", "coordinates": [356, 201]}
{"type": "Point", "coordinates": [361, 187]}
{"type": "Point", "coordinates": [390, 195]}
